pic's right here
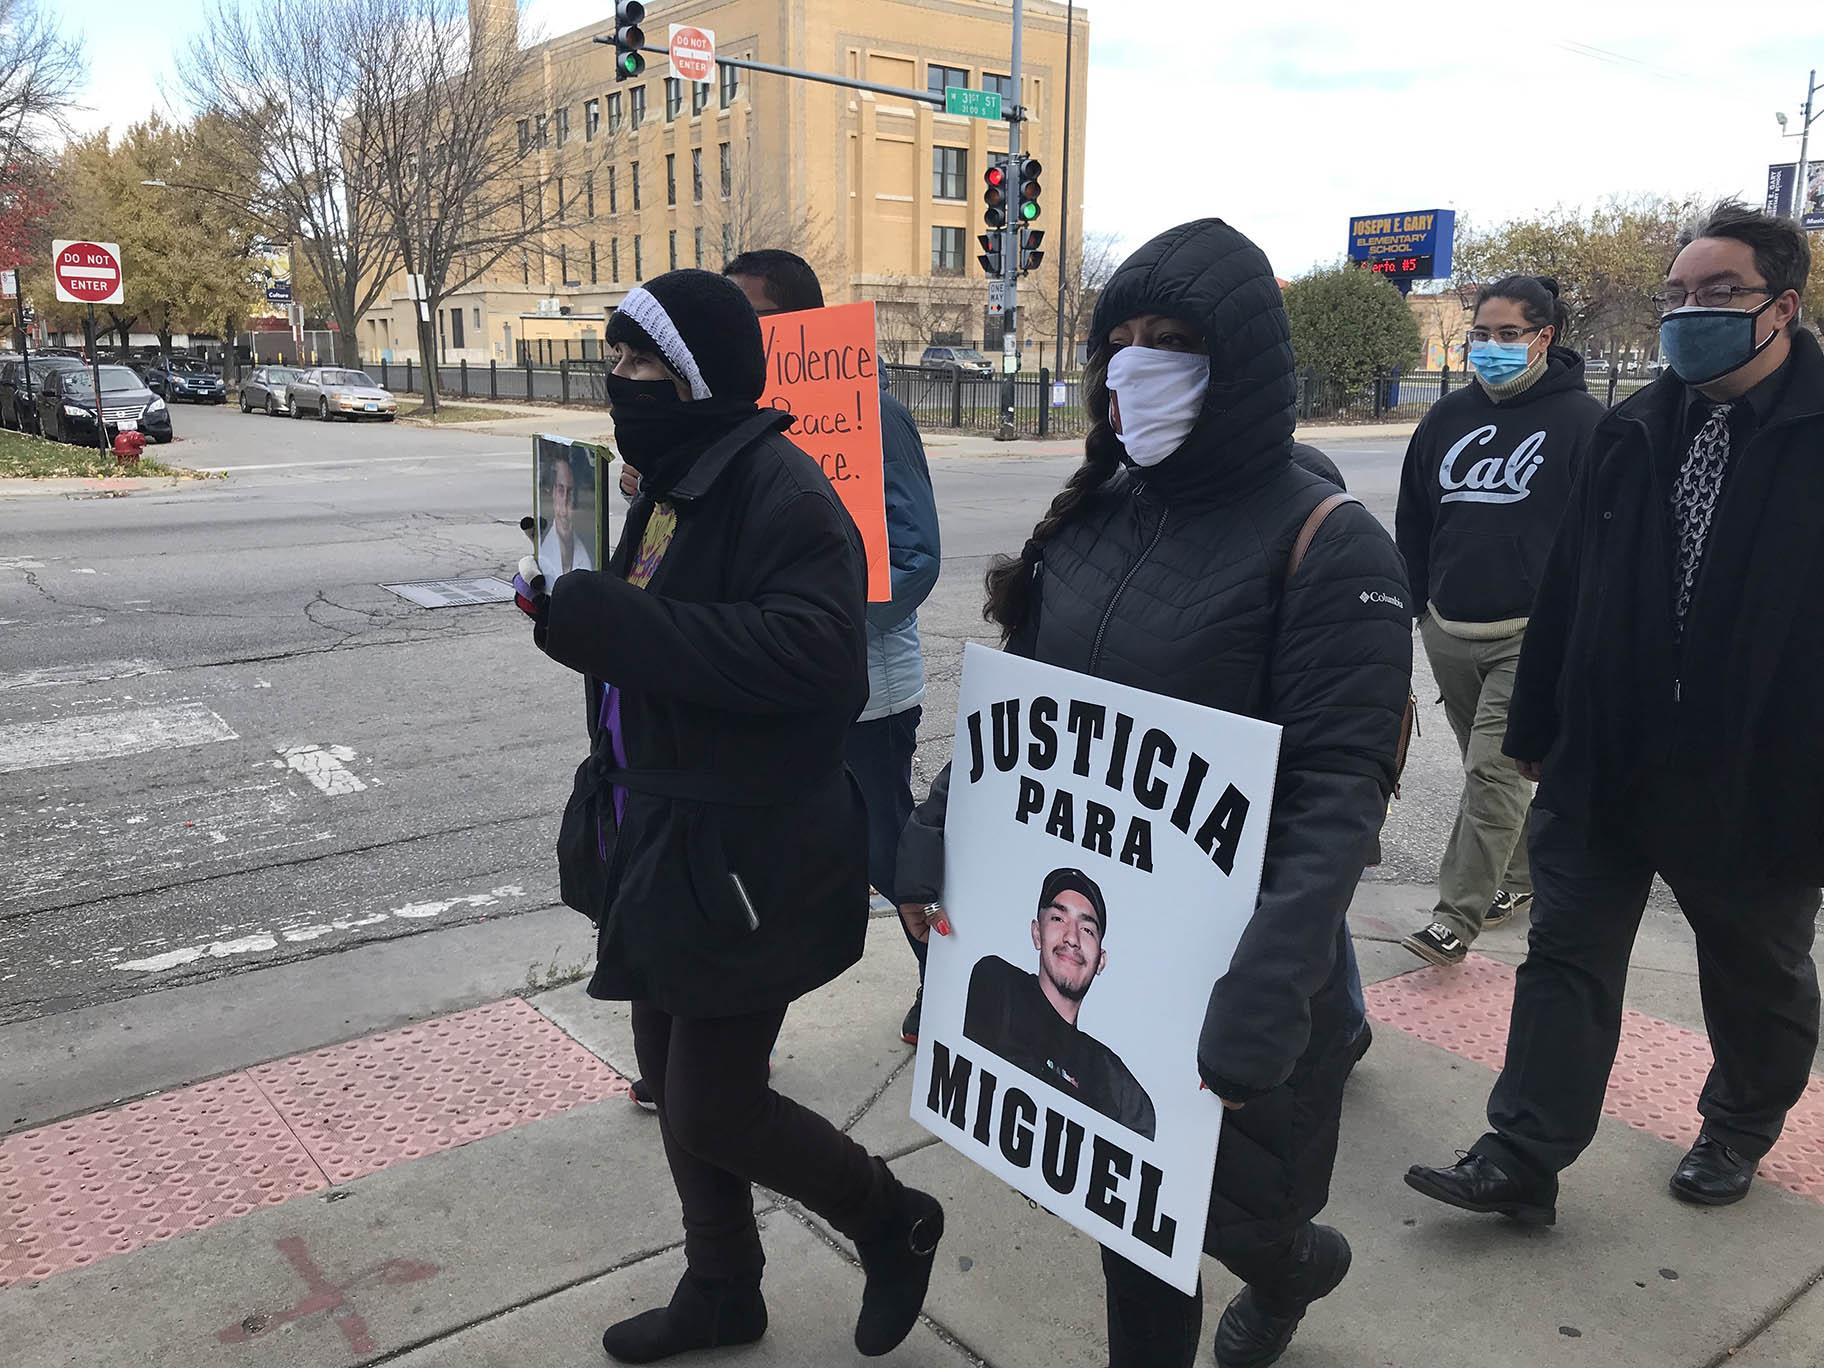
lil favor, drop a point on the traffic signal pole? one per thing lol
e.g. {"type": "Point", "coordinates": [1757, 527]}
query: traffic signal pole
{"type": "Point", "coordinates": [1010, 251]}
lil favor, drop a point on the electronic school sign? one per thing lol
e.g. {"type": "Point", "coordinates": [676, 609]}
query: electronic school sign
{"type": "Point", "coordinates": [1414, 245]}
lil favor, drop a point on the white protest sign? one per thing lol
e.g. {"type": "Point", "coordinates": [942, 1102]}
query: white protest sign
{"type": "Point", "coordinates": [1102, 855]}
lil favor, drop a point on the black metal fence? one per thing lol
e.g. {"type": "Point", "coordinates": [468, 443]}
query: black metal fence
{"type": "Point", "coordinates": [1402, 397]}
{"type": "Point", "coordinates": [567, 382]}
{"type": "Point", "coordinates": [953, 398]}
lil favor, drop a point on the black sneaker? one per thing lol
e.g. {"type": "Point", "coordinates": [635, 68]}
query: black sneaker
{"type": "Point", "coordinates": [1504, 906]}
{"type": "Point", "coordinates": [642, 1096]}
{"type": "Point", "coordinates": [1436, 944]}
{"type": "Point", "coordinates": [908, 1029]}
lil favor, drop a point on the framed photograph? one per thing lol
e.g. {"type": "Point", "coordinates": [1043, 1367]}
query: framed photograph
{"type": "Point", "coordinates": [568, 512]}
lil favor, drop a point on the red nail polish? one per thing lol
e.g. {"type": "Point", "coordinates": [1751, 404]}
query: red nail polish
{"type": "Point", "coordinates": [943, 926]}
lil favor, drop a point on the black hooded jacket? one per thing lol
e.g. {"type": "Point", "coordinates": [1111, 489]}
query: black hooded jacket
{"type": "Point", "coordinates": [1172, 580]}
{"type": "Point", "coordinates": [1485, 485]}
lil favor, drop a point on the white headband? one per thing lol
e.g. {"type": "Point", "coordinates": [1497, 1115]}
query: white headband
{"type": "Point", "coordinates": [644, 309]}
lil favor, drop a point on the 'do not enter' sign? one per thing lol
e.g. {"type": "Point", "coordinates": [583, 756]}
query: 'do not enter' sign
{"type": "Point", "coordinates": [87, 272]}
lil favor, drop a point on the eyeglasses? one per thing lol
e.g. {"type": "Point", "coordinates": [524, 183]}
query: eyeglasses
{"type": "Point", "coordinates": [1705, 297]}
{"type": "Point", "coordinates": [1501, 334]}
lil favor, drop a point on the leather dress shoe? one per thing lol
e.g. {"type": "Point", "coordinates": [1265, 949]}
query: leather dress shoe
{"type": "Point", "coordinates": [1712, 1174]}
{"type": "Point", "coordinates": [1477, 1183]}
{"type": "Point", "coordinates": [1259, 1323]}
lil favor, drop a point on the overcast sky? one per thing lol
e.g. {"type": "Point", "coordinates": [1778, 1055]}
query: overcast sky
{"type": "Point", "coordinates": [1287, 118]}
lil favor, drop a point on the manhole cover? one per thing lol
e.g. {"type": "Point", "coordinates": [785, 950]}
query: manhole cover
{"type": "Point", "coordinates": [454, 593]}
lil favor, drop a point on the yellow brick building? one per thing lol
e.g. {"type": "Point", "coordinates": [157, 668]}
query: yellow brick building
{"type": "Point", "coordinates": [883, 195]}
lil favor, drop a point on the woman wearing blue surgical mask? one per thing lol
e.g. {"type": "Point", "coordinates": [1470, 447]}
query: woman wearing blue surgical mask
{"type": "Point", "coordinates": [1165, 564]}
{"type": "Point", "coordinates": [1487, 477]}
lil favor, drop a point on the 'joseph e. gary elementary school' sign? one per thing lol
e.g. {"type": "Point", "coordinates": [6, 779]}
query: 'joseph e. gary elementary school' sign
{"type": "Point", "coordinates": [1415, 233]}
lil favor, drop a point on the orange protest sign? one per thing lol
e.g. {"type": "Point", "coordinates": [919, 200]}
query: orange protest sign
{"type": "Point", "coordinates": [822, 368]}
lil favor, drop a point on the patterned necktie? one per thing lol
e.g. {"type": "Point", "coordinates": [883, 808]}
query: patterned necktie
{"type": "Point", "coordinates": [1694, 497]}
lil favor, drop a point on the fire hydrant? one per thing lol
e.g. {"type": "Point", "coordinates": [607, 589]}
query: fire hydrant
{"type": "Point", "coordinates": [127, 447]}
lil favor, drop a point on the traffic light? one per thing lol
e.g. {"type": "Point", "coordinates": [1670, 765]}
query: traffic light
{"type": "Point", "coordinates": [1030, 255]}
{"type": "Point", "coordinates": [629, 38]}
{"type": "Point", "coordinates": [991, 254]}
{"type": "Point", "coordinates": [1030, 171]}
{"type": "Point", "coordinates": [994, 198]}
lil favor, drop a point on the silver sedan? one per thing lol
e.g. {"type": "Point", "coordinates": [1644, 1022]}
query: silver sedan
{"type": "Point", "coordinates": [334, 392]}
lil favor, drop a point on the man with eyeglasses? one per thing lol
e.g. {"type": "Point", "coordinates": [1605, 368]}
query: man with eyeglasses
{"type": "Point", "coordinates": [1670, 701]}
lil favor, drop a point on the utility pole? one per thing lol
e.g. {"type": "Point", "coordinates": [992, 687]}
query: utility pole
{"type": "Point", "coordinates": [1798, 179]}
{"type": "Point", "coordinates": [1070, 35]}
{"type": "Point", "coordinates": [1010, 254]}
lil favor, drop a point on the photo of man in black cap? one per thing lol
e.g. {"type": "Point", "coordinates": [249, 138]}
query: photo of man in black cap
{"type": "Point", "coordinates": [1030, 1020]}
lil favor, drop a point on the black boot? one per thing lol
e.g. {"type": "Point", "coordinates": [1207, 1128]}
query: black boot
{"type": "Point", "coordinates": [705, 1313]}
{"type": "Point", "coordinates": [897, 1260]}
{"type": "Point", "coordinates": [1260, 1322]}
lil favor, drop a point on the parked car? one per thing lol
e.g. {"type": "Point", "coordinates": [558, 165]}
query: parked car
{"type": "Point", "coordinates": [19, 400]}
{"type": "Point", "coordinates": [180, 378]}
{"type": "Point", "coordinates": [336, 392]}
{"type": "Point", "coordinates": [1595, 365]}
{"type": "Point", "coordinates": [956, 358]}
{"type": "Point", "coordinates": [66, 405]}
{"type": "Point", "coordinates": [268, 388]}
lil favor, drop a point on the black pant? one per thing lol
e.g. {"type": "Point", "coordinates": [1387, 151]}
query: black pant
{"type": "Point", "coordinates": [1151, 1324]}
{"type": "Point", "coordinates": [1755, 973]}
{"type": "Point", "coordinates": [726, 1129]}
{"type": "Point", "coordinates": [880, 755]}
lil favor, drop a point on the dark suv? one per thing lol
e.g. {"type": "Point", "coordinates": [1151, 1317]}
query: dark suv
{"type": "Point", "coordinates": [179, 378]}
{"type": "Point", "coordinates": [18, 400]}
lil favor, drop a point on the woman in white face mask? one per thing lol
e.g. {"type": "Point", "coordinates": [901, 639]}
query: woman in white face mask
{"type": "Point", "coordinates": [1164, 564]}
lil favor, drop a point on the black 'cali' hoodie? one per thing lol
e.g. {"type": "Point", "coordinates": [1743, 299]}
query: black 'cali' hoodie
{"type": "Point", "coordinates": [1484, 486]}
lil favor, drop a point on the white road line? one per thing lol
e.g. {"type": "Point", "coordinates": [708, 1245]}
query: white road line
{"type": "Point", "coordinates": [363, 460]}
{"type": "Point", "coordinates": [108, 736]}
{"type": "Point", "coordinates": [98, 673]}
{"type": "Point", "coordinates": [260, 942]}
{"type": "Point", "coordinates": [324, 766]}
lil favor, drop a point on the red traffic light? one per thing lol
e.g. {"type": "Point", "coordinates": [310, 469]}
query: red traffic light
{"type": "Point", "coordinates": [995, 176]}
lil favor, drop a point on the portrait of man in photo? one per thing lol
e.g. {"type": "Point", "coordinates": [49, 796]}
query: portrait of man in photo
{"type": "Point", "coordinates": [1030, 1020]}
{"type": "Point", "coordinates": [566, 491]}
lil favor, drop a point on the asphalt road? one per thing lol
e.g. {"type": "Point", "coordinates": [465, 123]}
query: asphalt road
{"type": "Point", "coordinates": [223, 743]}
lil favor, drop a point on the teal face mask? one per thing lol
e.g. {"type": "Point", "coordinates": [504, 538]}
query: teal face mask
{"type": "Point", "coordinates": [1499, 362]}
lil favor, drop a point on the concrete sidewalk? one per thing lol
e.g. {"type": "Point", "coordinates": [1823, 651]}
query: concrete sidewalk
{"type": "Point", "coordinates": [516, 1248]}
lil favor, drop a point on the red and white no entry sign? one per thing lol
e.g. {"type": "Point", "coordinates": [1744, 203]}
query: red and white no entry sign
{"type": "Point", "coordinates": [693, 52]}
{"type": "Point", "coordinates": [87, 272]}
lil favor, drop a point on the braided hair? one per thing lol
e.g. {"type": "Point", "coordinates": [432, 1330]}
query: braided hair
{"type": "Point", "coordinates": [1011, 579]}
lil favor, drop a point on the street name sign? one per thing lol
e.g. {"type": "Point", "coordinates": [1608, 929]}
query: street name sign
{"type": "Point", "coordinates": [693, 53]}
{"type": "Point", "coordinates": [87, 272]}
{"type": "Point", "coordinates": [972, 104]}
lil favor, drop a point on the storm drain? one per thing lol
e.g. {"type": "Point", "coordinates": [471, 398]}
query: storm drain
{"type": "Point", "coordinates": [453, 593]}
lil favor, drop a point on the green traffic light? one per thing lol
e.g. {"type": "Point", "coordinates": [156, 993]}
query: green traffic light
{"type": "Point", "coordinates": [1029, 211]}
{"type": "Point", "coordinates": [632, 63]}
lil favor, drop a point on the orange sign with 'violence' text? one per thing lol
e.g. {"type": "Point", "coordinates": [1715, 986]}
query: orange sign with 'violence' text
{"type": "Point", "coordinates": [822, 367]}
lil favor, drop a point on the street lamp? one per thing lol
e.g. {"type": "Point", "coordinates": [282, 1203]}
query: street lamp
{"type": "Point", "coordinates": [1801, 170]}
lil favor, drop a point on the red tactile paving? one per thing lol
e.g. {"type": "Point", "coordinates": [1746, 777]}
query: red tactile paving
{"type": "Point", "coordinates": [1659, 1069]}
{"type": "Point", "coordinates": [373, 1102]}
{"type": "Point", "coordinates": [105, 1184]}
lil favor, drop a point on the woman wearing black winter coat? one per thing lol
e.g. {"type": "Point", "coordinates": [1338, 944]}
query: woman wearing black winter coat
{"type": "Point", "coordinates": [714, 836]}
{"type": "Point", "coordinates": [1183, 518]}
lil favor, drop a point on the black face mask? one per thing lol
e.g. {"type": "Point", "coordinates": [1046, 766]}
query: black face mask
{"type": "Point", "coordinates": [646, 414]}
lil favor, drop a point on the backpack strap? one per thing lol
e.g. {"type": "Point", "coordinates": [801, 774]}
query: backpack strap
{"type": "Point", "coordinates": [1308, 533]}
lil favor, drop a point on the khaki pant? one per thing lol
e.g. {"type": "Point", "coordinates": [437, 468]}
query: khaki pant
{"type": "Point", "coordinates": [1486, 852]}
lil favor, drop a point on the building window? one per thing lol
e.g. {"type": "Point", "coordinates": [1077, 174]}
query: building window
{"type": "Point", "coordinates": [544, 131]}
{"type": "Point", "coordinates": [592, 119]}
{"type": "Point", "coordinates": [671, 178]}
{"type": "Point", "coordinates": [614, 261]}
{"type": "Point", "coordinates": [563, 263]}
{"type": "Point", "coordinates": [478, 318]}
{"type": "Point", "coordinates": [525, 134]}
{"type": "Point", "coordinates": [442, 346]}
{"type": "Point", "coordinates": [674, 98]}
{"type": "Point", "coordinates": [636, 187]}
{"type": "Point", "coordinates": [731, 84]}
{"type": "Point", "coordinates": [639, 259]}
{"type": "Point", "coordinates": [563, 207]}
{"type": "Point", "coordinates": [614, 112]}
{"type": "Point", "coordinates": [696, 174]}
{"type": "Point", "coordinates": [589, 195]}
{"type": "Point", "coordinates": [699, 96]}
{"type": "Point", "coordinates": [636, 106]}
{"type": "Point", "coordinates": [698, 244]}
{"type": "Point", "coordinates": [999, 85]}
{"type": "Point", "coordinates": [456, 327]}
{"type": "Point", "coordinates": [673, 236]}
{"type": "Point", "coordinates": [594, 278]}
{"type": "Point", "coordinates": [949, 171]}
{"type": "Point", "coordinates": [939, 78]}
{"type": "Point", "coordinates": [947, 251]}
{"type": "Point", "coordinates": [563, 125]}
{"type": "Point", "coordinates": [525, 267]}
{"type": "Point", "coordinates": [728, 243]}
{"type": "Point", "coordinates": [727, 157]}
{"type": "Point", "coordinates": [614, 197]}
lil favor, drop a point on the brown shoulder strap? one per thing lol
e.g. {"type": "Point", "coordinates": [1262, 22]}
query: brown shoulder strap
{"type": "Point", "coordinates": [1308, 533]}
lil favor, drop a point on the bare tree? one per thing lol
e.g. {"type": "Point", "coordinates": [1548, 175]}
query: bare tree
{"type": "Point", "coordinates": [40, 73]}
{"type": "Point", "coordinates": [745, 208]}
{"type": "Point", "coordinates": [1094, 262]}
{"type": "Point", "coordinates": [913, 312]}
{"type": "Point", "coordinates": [284, 80]}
